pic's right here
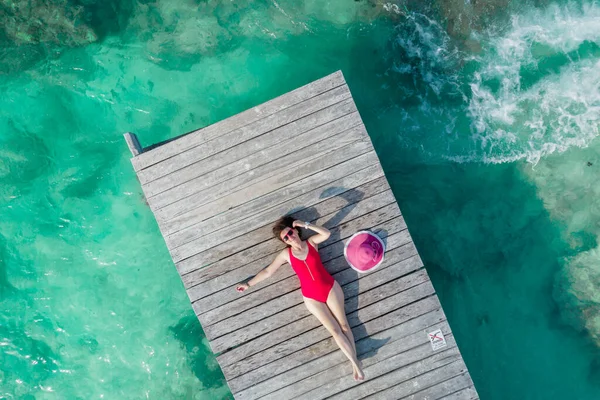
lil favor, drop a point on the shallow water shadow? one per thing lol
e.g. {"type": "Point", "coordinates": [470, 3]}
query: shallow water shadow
{"type": "Point", "coordinates": [190, 335]}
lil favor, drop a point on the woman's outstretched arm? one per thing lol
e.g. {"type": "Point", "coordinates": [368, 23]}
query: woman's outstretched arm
{"type": "Point", "coordinates": [322, 232]}
{"type": "Point", "coordinates": [266, 272]}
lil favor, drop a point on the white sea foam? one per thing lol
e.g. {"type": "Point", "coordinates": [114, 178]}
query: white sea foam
{"type": "Point", "coordinates": [425, 63]}
{"type": "Point", "coordinates": [558, 111]}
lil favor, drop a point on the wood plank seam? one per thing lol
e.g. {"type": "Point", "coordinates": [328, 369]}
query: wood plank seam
{"type": "Point", "coordinates": [254, 303]}
{"type": "Point", "coordinates": [451, 349]}
{"type": "Point", "coordinates": [273, 205]}
{"type": "Point", "coordinates": [457, 363]}
{"type": "Point", "coordinates": [303, 208]}
{"type": "Point", "coordinates": [247, 179]}
{"type": "Point", "coordinates": [426, 373]}
{"type": "Point", "coordinates": [337, 258]}
{"type": "Point", "coordinates": [446, 361]}
{"type": "Point", "coordinates": [380, 324]}
{"type": "Point", "coordinates": [219, 204]}
{"type": "Point", "coordinates": [325, 390]}
{"type": "Point", "coordinates": [225, 154]}
{"type": "Point", "coordinates": [220, 207]}
{"type": "Point", "coordinates": [399, 255]}
{"type": "Point", "coordinates": [469, 391]}
{"type": "Point", "coordinates": [410, 284]}
{"type": "Point", "coordinates": [347, 164]}
{"type": "Point", "coordinates": [460, 389]}
{"type": "Point", "coordinates": [173, 148]}
{"type": "Point", "coordinates": [283, 141]}
{"type": "Point", "coordinates": [405, 282]}
{"type": "Point", "coordinates": [207, 293]}
{"type": "Point", "coordinates": [241, 176]}
{"type": "Point", "coordinates": [264, 260]}
{"type": "Point", "coordinates": [424, 306]}
{"type": "Point", "coordinates": [341, 232]}
{"type": "Point", "coordinates": [367, 167]}
{"type": "Point", "coordinates": [328, 243]}
{"type": "Point", "coordinates": [203, 242]}
{"type": "Point", "coordinates": [168, 148]}
{"type": "Point", "coordinates": [244, 133]}
{"type": "Point", "coordinates": [366, 355]}
{"type": "Point", "coordinates": [303, 215]}
{"type": "Point", "coordinates": [334, 375]}
{"type": "Point", "coordinates": [235, 360]}
{"type": "Point", "coordinates": [412, 302]}
{"type": "Point", "coordinates": [408, 265]}
{"type": "Point", "coordinates": [253, 180]}
{"type": "Point", "coordinates": [431, 317]}
{"type": "Point", "coordinates": [212, 309]}
{"type": "Point", "coordinates": [242, 249]}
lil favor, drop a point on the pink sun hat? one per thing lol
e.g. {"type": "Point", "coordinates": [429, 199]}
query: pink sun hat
{"type": "Point", "coordinates": [364, 251]}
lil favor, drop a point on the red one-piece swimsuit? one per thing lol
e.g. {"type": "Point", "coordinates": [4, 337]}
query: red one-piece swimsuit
{"type": "Point", "coordinates": [315, 281]}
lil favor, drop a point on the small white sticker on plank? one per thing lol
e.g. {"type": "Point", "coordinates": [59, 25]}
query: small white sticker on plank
{"type": "Point", "coordinates": [437, 339]}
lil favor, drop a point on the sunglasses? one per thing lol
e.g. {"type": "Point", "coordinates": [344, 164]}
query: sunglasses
{"type": "Point", "coordinates": [288, 235]}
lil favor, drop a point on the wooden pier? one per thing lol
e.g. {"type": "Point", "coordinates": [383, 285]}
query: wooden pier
{"type": "Point", "coordinates": [216, 192]}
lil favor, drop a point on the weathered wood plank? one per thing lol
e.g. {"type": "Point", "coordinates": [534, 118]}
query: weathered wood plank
{"type": "Point", "coordinates": [369, 297]}
{"type": "Point", "coordinates": [391, 356]}
{"type": "Point", "coordinates": [331, 211]}
{"type": "Point", "coordinates": [352, 212]}
{"type": "Point", "coordinates": [338, 216]}
{"type": "Point", "coordinates": [305, 340]}
{"type": "Point", "coordinates": [257, 151]}
{"type": "Point", "coordinates": [133, 143]}
{"type": "Point", "coordinates": [232, 211]}
{"type": "Point", "coordinates": [417, 376]}
{"type": "Point", "coordinates": [312, 170]}
{"type": "Point", "coordinates": [270, 176]}
{"type": "Point", "coordinates": [458, 386]}
{"type": "Point", "coordinates": [468, 393]}
{"type": "Point", "coordinates": [285, 294]}
{"type": "Point", "coordinates": [236, 360]}
{"type": "Point", "coordinates": [251, 115]}
{"type": "Point", "coordinates": [227, 337]}
{"type": "Point", "coordinates": [384, 386]}
{"type": "Point", "coordinates": [282, 295]}
{"type": "Point", "coordinates": [281, 289]}
{"type": "Point", "coordinates": [244, 133]}
{"type": "Point", "coordinates": [391, 371]}
{"type": "Point", "coordinates": [277, 170]}
{"type": "Point", "coordinates": [293, 375]}
{"type": "Point", "coordinates": [215, 308]}
{"type": "Point", "coordinates": [367, 216]}
{"type": "Point", "coordinates": [284, 198]}
{"type": "Point", "coordinates": [231, 255]}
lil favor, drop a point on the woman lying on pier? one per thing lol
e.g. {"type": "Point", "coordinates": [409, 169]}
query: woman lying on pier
{"type": "Point", "coordinates": [323, 296]}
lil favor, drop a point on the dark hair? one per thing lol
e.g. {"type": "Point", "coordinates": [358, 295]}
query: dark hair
{"type": "Point", "coordinates": [282, 223]}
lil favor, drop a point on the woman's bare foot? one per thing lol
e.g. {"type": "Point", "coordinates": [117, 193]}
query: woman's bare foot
{"type": "Point", "coordinates": [358, 373]}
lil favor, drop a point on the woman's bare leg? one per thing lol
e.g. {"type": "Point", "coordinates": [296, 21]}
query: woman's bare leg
{"type": "Point", "coordinates": [324, 315]}
{"type": "Point", "coordinates": [335, 302]}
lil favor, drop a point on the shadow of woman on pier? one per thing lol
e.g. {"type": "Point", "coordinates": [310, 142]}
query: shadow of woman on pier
{"type": "Point", "coordinates": [337, 266]}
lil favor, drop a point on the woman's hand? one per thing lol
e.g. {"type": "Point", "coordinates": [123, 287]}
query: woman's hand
{"type": "Point", "coordinates": [298, 224]}
{"type": "Point", "coordinates": [242, 287]}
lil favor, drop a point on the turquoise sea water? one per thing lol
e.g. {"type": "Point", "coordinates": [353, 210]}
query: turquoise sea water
{"type": "Point", "coordinates": [485, 115]}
